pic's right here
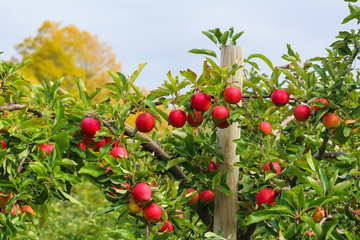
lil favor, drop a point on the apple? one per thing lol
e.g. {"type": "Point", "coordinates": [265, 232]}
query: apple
{"type": "Point", "coordinates": [108, 140]}
{"type": "Point", "coordinates": [177, 118]}
{"type": "Point", "coordinates": [46, 148]}
{"type": "Point", "coordinates": [88, 141]}
{"type": "Point", "coordinates": [198, 119]}
{"type": "Point", "coordinates": [219, 113]}
{"type": "Point", "coordinates": [119, 152]}
{"type": "Point", "coordinates": [178, 215]}
{"type": "Point", "coordinates": [276, 166]}
{"type": "Point", "coordinates": [142, 192]}
{"type": "Point", "coordinates": [167, 226]}
{"type": "Point", "coordinates": [152, 212]}
{"type": "Point", "coordinates": [211, 167]}
{"type": "Point", "coordinates": [223, 124]}
{"type": "Point", "coordinates": [133, 207]}
{"type": "Point", "coordinates": [90, 126]}
{"type": "Point", "coordinates": [145, 122]}
{"type": "Point", "coordinates": [265, 127]}
{"type": "Point", "coordinates": [355, 130]}
{"type": "Point", "coordinates": [331, 120]}
{"type": "Point", "coordinates": [82, 146]}
{"type": "Point", "coordinates": [302, 112]}
{"type": "Point", "coordinates": [100, 144]}
{"type": "Point", "coordinates": [3, 144]}
{"type": "Point", "coordinates": [232, 94]}
{"type": "Point", "coordinates": [280, 97]}
{"type": "Point", "coordinates": [201, 102]}
{"type": "Point", "coordinates": [309, 233]}
{"type": "Point", "coordinates": [318, 214]}
{"type": "Point", "coordinates": [14, 210]}
{"type": "Point", "coordinates": [28, 209]}
{"type": "Point", "coordinates": [266, 195]}
{"type": "Point", "coordinates": [207, 196]}
{"type": "Point", "coordinates": [324, 101]}
{"type": "Point", "coordinates": [195, 198]}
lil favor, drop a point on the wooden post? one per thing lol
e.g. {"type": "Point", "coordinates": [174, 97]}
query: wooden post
{"type": "Point", "coordinates": [225, 218]}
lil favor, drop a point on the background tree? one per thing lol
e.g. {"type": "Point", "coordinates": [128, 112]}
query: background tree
{"type": "Point", "coordinates": [67, 52]}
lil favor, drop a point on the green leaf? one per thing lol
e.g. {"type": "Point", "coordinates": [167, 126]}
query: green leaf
{"type": "Point", "coordinates": [81, 88]}
{"type": "Point", "coordinates": [210, 36]}
{"type": "Point", "coordinates": [262, 57]}
{"type": "Point", "coordinates": [354, 13]}
{"type": "Point", "coordinates": [44, 215]}
{"type": "Point", "coordinates": [204, 51]}
{"type": "Point", "coordinates": [37, 167]}
{"type": "Point", "coordinates": [94, 171]}
{"type": "Point", "coordinates": [63, 141]}
{"type": "Point", "coordinates": [316, 186]}
{"type": "Point", "coordinates": [235, 37]}
{"type": "Point", "coordinates": [117, 80]}
{"type": "Point", "coordinates": [189, 142]}
{"type": "Point", "coordinates": [70, 198]}
{"type": "Point", "coordinates": [137, 90]}
{"type": "Point", "coordinates": [274, 212]}
{"type": "Point", "coordinates": [125, 233]}
{"type": "Point", "coordinates": [310, 161]}
{"type": "Point", "coordinates": [150, 104]}
{"type": "Point", "coordinates": [134, 76]}
{"type": "Point", "coordinates": [340, 187]}
{"type": "Point", "coordinates": [324, 180]}
{"type": "Point", "coordinates": [224, 38]}
{"type": "Point", "coordinates": [175, 161]}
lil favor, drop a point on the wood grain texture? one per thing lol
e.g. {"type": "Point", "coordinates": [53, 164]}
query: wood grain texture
{"type": "Point", "coordinates": [225, 218]}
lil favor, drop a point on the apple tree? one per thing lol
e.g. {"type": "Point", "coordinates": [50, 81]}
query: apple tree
{"type": "Point", "coordinates": [298, 167]}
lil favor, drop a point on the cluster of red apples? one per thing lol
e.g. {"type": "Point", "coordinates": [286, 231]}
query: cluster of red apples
{"type": "Point", "coordinates": [16, 207]}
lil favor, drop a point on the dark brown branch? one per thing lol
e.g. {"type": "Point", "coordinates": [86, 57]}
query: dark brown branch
{"type": "Point", "coordinates": [323, 145]}
{"type": "Point", "coordinates": [247, 234]}
{"type": "Point", "coordinates": [328, 155]}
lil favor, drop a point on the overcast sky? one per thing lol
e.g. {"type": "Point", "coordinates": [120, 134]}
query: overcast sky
{"type": "Point", "coordinates": [162, 32]}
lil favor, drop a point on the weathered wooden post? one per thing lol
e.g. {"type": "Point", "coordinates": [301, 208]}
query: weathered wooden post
{"type": "Point", "coordinates": [225, 218]}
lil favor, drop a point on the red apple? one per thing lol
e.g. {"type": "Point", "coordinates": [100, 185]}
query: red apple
{"type": "Point", "coordinates": [207, 196]}
{"type": "Point", "coordinates": [179, 215]}
{"type": "Point", "coordinates": [201, 102]}
{"type": "Point", "coordinates": [82, 146]}
{"type": "Point", "coordinates": [116, 151]}
{"type": "Point", "coordinates": [14, 210]}
{"type": "Point", "coordinates": [28, 209]}
{"type": "Point", "coordinates": [212, 166]}
{"type": "Point", "coordinates": [145, 122]}
{"type": "Point", "coordinates": [302, 112]}
{"type": "Point", "coordinates": [100, 144]}
{"type": "Point", "coordinates": [331, 120]}
{"type": "Point", "coordinates": [108, 140]}
{"type": "Point", "coordinates": [142, 192]}
{"type": "Point", "coordinates": [133, 207]}
{"type": "Point", "coordinates": [88, 141]}
{"type": "Point", "coordinates": [90, 126]}
{"type": "Point", "coordinates": [232, 94]}
{"type": "Point", "coordinates": [3, 144]}
{"type": "Point", "coordinates": [152, 212]}
{"type": "Point", "coordinates": [276, 166]}
{"type": "Point", "coordinates": [197, 122]}
{"type": "Point", "coordinates": [324, 101]}
{"type": "Point", "coordinates": [167, 226]}
{"type": "Point", "coordinates": [177, 118]}
{"type": "Point", "coordinates": [223, 124]}
{"type": "Point", "coordinates": [280, 97]}
{"type": "Point", "coordinates": [46, 148]}
{"type": "Point", "coordinates": [219, 113]}
{"type": "Point", "coordinates": [265, 127]}
{"type": "Point", "coordinates": [195, 198]}
{"type": "Point", "coordinates": [266, 195]}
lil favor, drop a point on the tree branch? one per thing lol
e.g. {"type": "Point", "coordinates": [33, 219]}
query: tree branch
{"type": "Point", "coordinates": [14, 107]}
{"type": "Point", "coordinates": [328, 155]}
